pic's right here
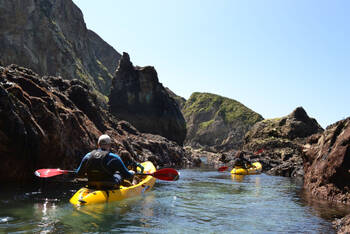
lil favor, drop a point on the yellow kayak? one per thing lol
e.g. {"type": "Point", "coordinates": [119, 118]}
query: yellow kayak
{"type": "Point", "coordinates": [86, 196]}
{"type": "Point", "coordinates": [250, 171]}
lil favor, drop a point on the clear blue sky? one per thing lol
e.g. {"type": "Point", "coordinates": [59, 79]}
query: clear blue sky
{"type": "Point", "coordinates": [270, 55]}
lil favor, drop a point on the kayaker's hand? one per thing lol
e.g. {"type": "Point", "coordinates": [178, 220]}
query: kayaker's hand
{"type": "Point", "coordinates": [140, 166]}
{"type": "Point", "coordinates": [132, 172]}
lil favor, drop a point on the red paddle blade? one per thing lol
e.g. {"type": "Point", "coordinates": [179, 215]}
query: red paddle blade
{"type": "Point", "coordinates": [44, 173]}
{"type": "Point", "coordinates": [169, 174]}
{"type": "Point", "coordinates": [224, 168]}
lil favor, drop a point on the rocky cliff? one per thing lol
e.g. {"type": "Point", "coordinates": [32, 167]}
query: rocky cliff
{"type": "Point", "coordinates": [327, 167]}
{"type": "Point", "coordinates": [280, 142]}
{"type": "Point", "coordinates": [50, 122]}
{"type": "Point", "coordinates": [138, 97]}
{"type": "Point", "coordinates": [327, 163]}
{"type": "Point", "coordinates": [180, 100]}
{"type": "Point", "coordinates": [50, 37]}
{"type": "Point", "coordinates": [217, 123]}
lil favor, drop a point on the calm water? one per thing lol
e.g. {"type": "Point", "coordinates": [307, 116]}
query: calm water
{"type": "Point", "coordinates": [202, 201]}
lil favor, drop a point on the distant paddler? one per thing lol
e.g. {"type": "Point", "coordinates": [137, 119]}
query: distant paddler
{"type": "Point", "coordinates": [240, 161]}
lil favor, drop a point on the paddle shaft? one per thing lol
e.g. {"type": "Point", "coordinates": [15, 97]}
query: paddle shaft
{"type": "Point", "coordinates": [68, 171]}
{"type": "Point", "coordinates": [169, 174]}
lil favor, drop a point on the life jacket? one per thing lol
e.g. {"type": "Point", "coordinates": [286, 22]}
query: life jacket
{"type": "Point", "coordinates": [96, 167]}
{"type": "Point", "coordinates": [242, 163]}
{"type": "Point", "coordinates": [238, 162]}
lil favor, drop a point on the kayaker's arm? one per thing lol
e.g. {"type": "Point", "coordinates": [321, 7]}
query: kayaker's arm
{"type": "Point", "coordinates": [80, 172]}
{"type": "Point", "coordinates": [247, 163]}
{"type": "Point", "coordinates": [136, 165]}
{"type": "Point", "coordinates": [117, 164]}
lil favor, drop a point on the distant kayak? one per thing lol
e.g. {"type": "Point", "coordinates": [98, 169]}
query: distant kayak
{"type": "Point", "coordinates": [256, 169]}
{"type": "Point", "coordinates": [86, 196]}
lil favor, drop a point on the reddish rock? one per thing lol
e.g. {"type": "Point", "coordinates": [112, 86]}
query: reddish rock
{"type": "Point", "coordinates": [327, 163]}
{"type": "Point", "coordinates": [342, 225]}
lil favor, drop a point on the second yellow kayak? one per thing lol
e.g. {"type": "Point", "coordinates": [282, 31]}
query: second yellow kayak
{"type": "Point", "coordinates": [256, 169]}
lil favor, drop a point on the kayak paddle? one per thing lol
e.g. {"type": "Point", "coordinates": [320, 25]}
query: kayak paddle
{"type": "Point", "coordinates": [223, 168]}
{"type": "Point", "coordinates": [168, 174]}
{"type": "Point", "coordinates": [44, 173]}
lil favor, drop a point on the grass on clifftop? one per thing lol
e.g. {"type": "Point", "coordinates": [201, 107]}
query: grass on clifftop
{"type": "Point", "coordinates": [230, 110]}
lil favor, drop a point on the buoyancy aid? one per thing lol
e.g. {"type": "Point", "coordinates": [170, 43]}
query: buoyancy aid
{"type": "Point", "coordinates": [96, 167]}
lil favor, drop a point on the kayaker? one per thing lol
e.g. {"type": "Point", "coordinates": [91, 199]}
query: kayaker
{"type": "Point", "coordinates": [240, 161]}
{"type": "Point", "coordinates": [103, 168]}
{"type": "Point", "coordinates": [129, 161]}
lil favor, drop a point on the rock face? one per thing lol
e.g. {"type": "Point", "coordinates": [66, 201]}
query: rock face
{"type": "Point", "coordinates": [342, 225]}
{"type": "Point", "coordinates": [138, 97]}
{"type": "Point", "coordinates": [327, 163]}
{"type": "Point", "coordinates": [50, 122]}
{"type": "Point", "coordinates": [216, 123]}
{"type": "Point", "coordinates": [180, 100]}
{"type": "Point", "coordinates": [280, 142]}
{"type": "Point", "coordinates": [51, 38]}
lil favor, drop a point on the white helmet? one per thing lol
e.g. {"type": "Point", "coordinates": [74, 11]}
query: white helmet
{"type": "Point", "coordinates": [104, 140]}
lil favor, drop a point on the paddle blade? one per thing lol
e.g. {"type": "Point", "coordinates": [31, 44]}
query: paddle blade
{"type": "Point", "coordinates": [44, 173]}
{"type": "Point", "coordinates": [168, 174]}
{"type": "Point", "coordinates": [224, 168]}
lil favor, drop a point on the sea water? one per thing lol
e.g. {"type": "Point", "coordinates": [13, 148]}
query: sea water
{"type": "Point", "coordinates": [201, 201]}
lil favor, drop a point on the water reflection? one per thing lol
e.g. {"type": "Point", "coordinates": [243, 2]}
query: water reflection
{"type": "Point", "coordinates": [322, 208]}
{"type": "Point", "coordinates": [136, 211]}
{"type": "Point", "coordinates": [237, 178]}
{"type": "Point", "coordinates": [6, 219]}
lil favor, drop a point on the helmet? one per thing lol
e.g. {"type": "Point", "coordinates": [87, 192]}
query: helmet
{"type": "Point", "coordinates": [104, 140]}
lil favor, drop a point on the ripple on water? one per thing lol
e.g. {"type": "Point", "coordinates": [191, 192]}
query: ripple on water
{"type": "Point", "coordinates": [6, 219]}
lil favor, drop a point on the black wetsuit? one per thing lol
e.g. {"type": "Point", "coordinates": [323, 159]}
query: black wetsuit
{"type": "Point", "coordinates": [103, 167]}
{"type": "Point", "coordinates": [241, 162]}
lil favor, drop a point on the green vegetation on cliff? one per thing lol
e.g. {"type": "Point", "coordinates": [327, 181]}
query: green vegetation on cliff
{"type": "Point", "coordinates": [217, 123]}
{"type": "Point", "coordinates": [230, 110]}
